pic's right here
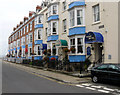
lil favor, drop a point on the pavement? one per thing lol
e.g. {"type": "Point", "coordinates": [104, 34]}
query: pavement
{"type": "Point", "coordinates": [53, 75]}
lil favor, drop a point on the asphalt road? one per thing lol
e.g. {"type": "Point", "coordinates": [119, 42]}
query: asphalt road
{"type": "Point", "coordinates": [17, 81]}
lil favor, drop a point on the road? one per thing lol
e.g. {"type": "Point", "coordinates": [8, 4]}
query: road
{"type": "Point", "coordinates": [17, 81]}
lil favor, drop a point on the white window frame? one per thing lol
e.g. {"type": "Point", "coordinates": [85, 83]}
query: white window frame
{"type": "Point", "coordinates": [36, 33]}
{"type": "Point", "coordinates": [52, 27]}
{"type": "Point", "coordinates": [96, 14]}
{"type": "Point", "coordinates": [29, 51]}
{"type": "Point", "coordinates": [50, 9]}
{"type": "Point", "coordinates": [23, 52]}
{"type": "Point", "coordinates": [36, 50]}
{"type": "Point", "coordinates": [27, 39]}
{"type": "Point", "coordinates": [75, 17]}
{"type": "Point", "coordinates": [64, 25]}
{"type": "Point", "coordinates": [30, 39]}
{"type": "Point", "coordinates": [49, 46]}
{"type": "Point", "coordinates": [64, 6]}
{"type": "Point", "coordinates": [76, 45]}
{"type": "Point", "coordinates": [31, 26]}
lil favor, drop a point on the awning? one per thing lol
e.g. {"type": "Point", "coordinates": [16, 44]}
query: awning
{"type": "Point", "coordinates": [93, 37]}
{"type": "Point", "coordinates": [62, 43]}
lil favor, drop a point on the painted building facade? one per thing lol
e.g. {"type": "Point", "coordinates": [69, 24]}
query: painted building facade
{"type": "Point", "coordinates": [91, 28]}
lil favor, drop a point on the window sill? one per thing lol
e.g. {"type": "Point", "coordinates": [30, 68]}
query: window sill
{"type": "Point", "coordinates": [77, 26]}
{"type": "Point", "coordinates": [98, 22]}
{"type": "Point", "coordinates": [76, 54]}
{"type": "Point", "coordinates": [64, 33]}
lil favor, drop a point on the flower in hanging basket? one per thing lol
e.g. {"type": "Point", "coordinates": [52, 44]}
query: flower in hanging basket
{"type": "Point", "coordinates": [53, 58]}
{"type": "Point", "coordinates": [46, 59]}
{"type": "Point", "coordinates": [72, 49]}
{"type": "Point", "coordinates": [45, 52]}
{"type": "Point", "coordinates": [49, 50]}
{"type": "Point", "coordinates": [66, 50]}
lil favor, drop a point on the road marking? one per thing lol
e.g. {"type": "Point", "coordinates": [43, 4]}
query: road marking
{"type": "Point", "coordinates": [109, 89]}
{"type": "Point", "coordinates": [79, 86]}
{"type": "Point", "coordinates": [86, 84]}
{"type": "Point", "coordinates": [96, 86]}
{"type": "Point", "coordinates": [90, 88]}
{"type": "Point", "coordinates": [104, 91]}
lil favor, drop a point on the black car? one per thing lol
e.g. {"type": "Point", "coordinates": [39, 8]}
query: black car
{"type": "Point", "coordinates": [107, 72]}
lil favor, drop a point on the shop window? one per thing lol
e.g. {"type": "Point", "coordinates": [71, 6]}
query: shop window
{"type": "Point", "coordinates": [96, 13]}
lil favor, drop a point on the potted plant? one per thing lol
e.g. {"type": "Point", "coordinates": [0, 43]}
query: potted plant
{"type": "Point", "coordinates": [66, 50]}
{"type": "Point", "coordinates": [72, 49]}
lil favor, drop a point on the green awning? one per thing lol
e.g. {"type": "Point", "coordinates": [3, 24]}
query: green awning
{"type": "Point", "coordinates": [61, 43]}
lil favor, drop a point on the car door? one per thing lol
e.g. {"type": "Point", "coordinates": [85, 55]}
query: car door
{"type": "Point", "coordinates": [102, 71]}
{"type": "Point", "coordinates": [114, 72]}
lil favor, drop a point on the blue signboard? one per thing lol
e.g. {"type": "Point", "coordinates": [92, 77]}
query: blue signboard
{"type": "Point", "coordinates": [88, 51]}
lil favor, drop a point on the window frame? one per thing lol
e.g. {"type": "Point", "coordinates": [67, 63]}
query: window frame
{"type": "Point", "coordinates": [96, 13]}
{"type": "Point", "coordinates": [64, 25]}
{"type": "Point", "coordinates": [74, 19]}
{"type": "Point", "coordinates": [76, 45]}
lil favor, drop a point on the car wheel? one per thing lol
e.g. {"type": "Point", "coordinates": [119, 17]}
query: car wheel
{"type": "Point", "coordinates": [95, 79]}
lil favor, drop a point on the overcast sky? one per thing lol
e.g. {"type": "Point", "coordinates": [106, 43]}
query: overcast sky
{"type": "Point", "coordinates": [11, 13]}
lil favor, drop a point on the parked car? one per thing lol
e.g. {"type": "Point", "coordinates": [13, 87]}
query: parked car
{"type": "Point", "coordinates": [107, 72]}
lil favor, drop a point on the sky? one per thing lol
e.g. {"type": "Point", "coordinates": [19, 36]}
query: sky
{"type": "Point", "coordinates": [11, 13]}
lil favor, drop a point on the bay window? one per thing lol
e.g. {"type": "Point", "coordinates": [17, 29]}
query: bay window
{"type": "Point", "coordinates": [38, 50]}
{"type": "Point", "coordinates": [96, 13]}
{"type": "Point", "coordinates": [38, 34]}
{"type": "Point", "coordinates": [72, 19]}
{"type": "Point", "coordinates": [54, 9]}
{"type": "Point", "coordinates": [76, 17]}
{"type": "Point", "coordinates": [49, 29]}
{"type": "Point", "coordinates": [53, 48]}
{"type": "Point", "coordinates": [54, 28]}
{"type": "Point", "coordinates": [77, 42]}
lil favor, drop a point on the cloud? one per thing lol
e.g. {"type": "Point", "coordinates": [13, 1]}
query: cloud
{"type": "Point", "coordinates": [12, 12]}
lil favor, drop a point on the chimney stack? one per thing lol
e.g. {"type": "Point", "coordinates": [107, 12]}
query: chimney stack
{"type": "Point", "coordinates": [14, 29]}
{"type": "Point", "coordinates": [25, 18]}
{"type": "Point", "coordinates": [30, 13]}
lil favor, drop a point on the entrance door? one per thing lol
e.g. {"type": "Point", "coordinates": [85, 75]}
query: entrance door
{"type": "Point", "coordinates": [98, 52]}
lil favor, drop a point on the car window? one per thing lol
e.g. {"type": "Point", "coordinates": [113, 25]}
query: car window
{"type": "Point", "coordinates": [113, 68]}
{"type": "Point", "coordinates": [102, 67]}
